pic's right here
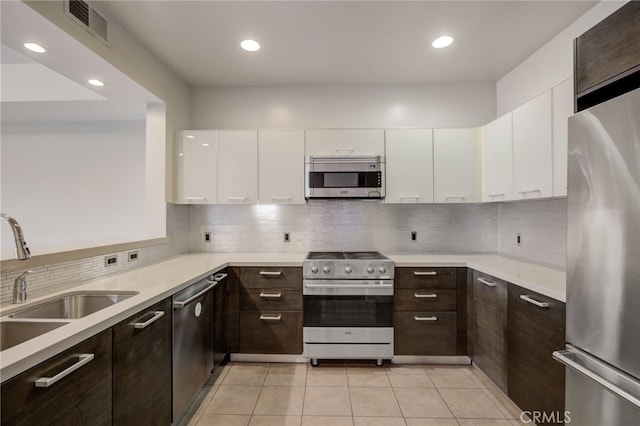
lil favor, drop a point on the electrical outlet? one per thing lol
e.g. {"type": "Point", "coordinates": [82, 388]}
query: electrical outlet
{"type": "Point", "coordinates": [110, 260]}
{"type": "Point", "coordinates": [133, 255]}
{"type": "Point", "coordinates": [519, 239]}
{"type": "Point", "coordinates": [287, 237]}
{"type": "Point", "coordinates": [207, 237]}
{"type": "Point", "coordinates": [414, 235]}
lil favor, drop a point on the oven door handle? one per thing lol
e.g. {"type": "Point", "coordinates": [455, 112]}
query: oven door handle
{"type": "Point", "coordinates": [382, 285]}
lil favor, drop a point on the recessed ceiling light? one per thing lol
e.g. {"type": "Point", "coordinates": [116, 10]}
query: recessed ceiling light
{"type": "Point", "coordinates": [96, 83]}
{"type": "Point", "coordinates": [250, 45]}
{"type": "Point", "coordinates": [442, 41]}
{"type": "Point", "coordinates": [190, 136]}
{"type": "Point", "coordinates": [34, 47]}
{"type": "Point", "coordinates": [205, 144]}
{"type": "Point", "coordinates": [181, 154]}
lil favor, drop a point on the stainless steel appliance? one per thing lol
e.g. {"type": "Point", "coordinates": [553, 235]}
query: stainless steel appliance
{"type": "Point", "coordinates": [193, 341]}
{"type": "Point", "coordinates": [603, 267]}
{"type": "Point", "coordinates": [344, 177]}
{"type": "Point", "coordinates": [348, 298]}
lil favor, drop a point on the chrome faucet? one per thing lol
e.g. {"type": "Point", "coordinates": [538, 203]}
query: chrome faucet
{"type": "Point", "coordinates": [22, 250]}
{"type": "Point", "coordinates": [20, 288]}
{"type": "Point", "coordinates": [22, 253]}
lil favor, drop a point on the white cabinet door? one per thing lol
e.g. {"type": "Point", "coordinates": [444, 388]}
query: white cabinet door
{"type": "Point", "coordinates": [281, 166]}
{"type": "Point", "coordinates": [237, 167]}
{"type": "Point", "coordinates": [454, 165]}
{"type": "Point", "coordinates": [498, 161]}
{"type": "Point", "coordinates": [562, 97]}
{"type": "Point", "coordinates": [196, 167]}
{"type": "Point", "coordinates": [532, 148]}
{"type": "Point", "coordinates": [409, 165]}
{"type": "Point", "coordinates": [344, 142]}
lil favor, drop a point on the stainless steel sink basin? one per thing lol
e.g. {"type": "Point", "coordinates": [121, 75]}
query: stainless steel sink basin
{"type": "Point", "coordinates": [15, 332]}
{"type": "Point", "coordinates": [74, 305]}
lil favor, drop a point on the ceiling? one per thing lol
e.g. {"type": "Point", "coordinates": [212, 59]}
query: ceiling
{"type": "Point", "coordinates": [342, 42]}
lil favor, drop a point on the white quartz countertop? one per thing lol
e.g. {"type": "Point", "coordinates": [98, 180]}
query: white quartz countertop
{"type": "Point", "coordinates": [158, 281]}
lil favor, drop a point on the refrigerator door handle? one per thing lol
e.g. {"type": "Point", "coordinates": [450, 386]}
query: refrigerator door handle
{"type": "Point", "coordinates": [569, 358]}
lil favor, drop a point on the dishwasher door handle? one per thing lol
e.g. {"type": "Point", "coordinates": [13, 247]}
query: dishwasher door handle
{"type": "Point", "coordinates": [181, 304]}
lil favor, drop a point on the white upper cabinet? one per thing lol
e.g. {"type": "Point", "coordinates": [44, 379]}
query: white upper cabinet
{"type": "Point", "coordinates": [532, 148]}
{"type": "Point", "coordinates": [281, 166]}
{"type": "Point", "coordinates": [237, 167]}
{"type": "Point", "coordinates": [409, 165]}
{"type": "Point", "coordinates": [344, 142]}
{"type": "Point", "coordinates": [196, 167]}
{"type": "Point", "coordinates": [498, 161]}
{"type": "Point", "coordinates": [562, 96]}
{"type": "Point", "coordinates": [454, 165]}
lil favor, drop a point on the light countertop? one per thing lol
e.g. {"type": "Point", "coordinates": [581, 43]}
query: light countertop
{"type": "Point", "coordinates": [158, 281]}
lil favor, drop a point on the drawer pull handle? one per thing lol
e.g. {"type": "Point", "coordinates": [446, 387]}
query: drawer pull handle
{"type": "Point", "coordinates": [234, 199]}
{"type": "Point", "coordinates": [529, 191]}
{"type": "Point", "coordinates": [45, 382]}
{"type": "Point", "coordinates": [496, 195]}
{"type": "Point", "coordinates": [219, 277]}
{"type": "Point", "coordinates": [271, 295]}
{"type": "Point", "coordinates": [425, 273]}
{"type": "Point", "coordinates": [486, 282]}
{"type": "Point", "coordinates": [534, 301]}
{"type": "Point", "coordinates": [419, 318]}
{"type": "Point", "coordinates": [156, 316]}
{"type": "Point", "coordinates": [455, 197]}
{"type": "Point", "coordinates": [425, 296]}
{"type": "Point", "coordinates": [270, 317]}
{"type": "Point", "coordinates": [271, 273]}
{"type": "Point", "coordinates": [280, 199]}
{"type": "Point", "coordinates": [195, 198]}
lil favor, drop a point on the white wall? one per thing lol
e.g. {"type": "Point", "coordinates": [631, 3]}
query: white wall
{"type": "Point", "coordinates": [550, 65]}
{"type": "Point", "coordinates": [454, 105]}
{"type": "Point", "coordinates": [86, 204]}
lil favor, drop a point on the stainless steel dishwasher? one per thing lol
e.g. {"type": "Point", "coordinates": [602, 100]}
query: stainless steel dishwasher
{"type": "Point", "coordinates": [193, 341]}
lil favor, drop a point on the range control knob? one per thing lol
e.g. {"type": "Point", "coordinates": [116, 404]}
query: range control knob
{"type": "Point", "coordinates": [314, 269]}
{"type": "Point", "coordinates": [326, 269]}
{"type": "Point", "coordinates": [370, 269]}
{"type": "Point", "coordinates": [348, 269]}
{"type": "Point", "coordinates": [382, 269]}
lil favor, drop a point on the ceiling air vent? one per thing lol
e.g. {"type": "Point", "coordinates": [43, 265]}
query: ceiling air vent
{"type": "Point", "coordinates": [85, 15]}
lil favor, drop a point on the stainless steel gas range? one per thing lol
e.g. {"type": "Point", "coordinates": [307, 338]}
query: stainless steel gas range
{"type": "Point", "coordinates": [348, 299]}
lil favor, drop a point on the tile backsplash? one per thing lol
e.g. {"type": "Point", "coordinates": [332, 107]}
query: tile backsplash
{"type": "Point", "coordinates": [542, 225]}
{"type": "Point", "coordinates": [345, 225]}
{"type": "Point", "coordinates": [60, 276]}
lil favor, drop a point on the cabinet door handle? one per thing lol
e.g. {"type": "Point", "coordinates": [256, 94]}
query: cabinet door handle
{"type": "Point", "coordinates": [271, 295]}
{"type": "Point", "coordinates": [156, 316]}
{"type": "Point", "coordinates": [455, 197]}
{"type": "Point", "coordinates": [534, 301]}
{"type": "Point", "coordinates": [416, 198]}
{"type": "Point", "coordinates": [495, 195]}
{"type": "Point", "coordinates": [420, 318]}
{"type": "Point", "coordinates": [45, 382]}
{"type": "Point", "coordinates": [271, 273]}
{"type": "Point", "coordinates": [529, 191]}
{"type": "Point", "coordinates": [425, 296]}
{"type": "Point", "coordinates": [349, 150]}
{"type": "Point", "coordinates": [487, 283]}
{"type": "Point", "coordinates": [236, 198]}
{"type": "Point", "coordinates": [195, 198]}
{"type": "Point", "coordinates": [280, 199]}
{"type": "Point", "coordinates": [425, 273]}
{"type": "Point", "coordinates": [270, 317]}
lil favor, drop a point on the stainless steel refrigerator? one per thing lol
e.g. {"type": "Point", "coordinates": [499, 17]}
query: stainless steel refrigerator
{"type": "Point", "coordinates": [602, 355]}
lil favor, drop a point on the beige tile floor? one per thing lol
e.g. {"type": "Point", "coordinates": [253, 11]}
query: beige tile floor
{"type": "Point", "coordinates": [336, 394]}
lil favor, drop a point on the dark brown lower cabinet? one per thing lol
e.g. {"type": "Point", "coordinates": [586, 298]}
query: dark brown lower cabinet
{"type": "Point", "coordinates": [536, 329]}
{"type": "Point", "coordinates": [490, 327]}
{"type": "Point", "coordinates": [81, 396]}
{"type": "Point", "coordinates": [277, 332]}
{"type": "Point", "coordinates": [142, 367]}
{"type": "Point", "coordinates": [424, 333]}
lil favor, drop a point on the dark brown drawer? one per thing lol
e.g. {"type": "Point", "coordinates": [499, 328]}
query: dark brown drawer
{"type": "Point", "coordinates": [80, 397]}
{"type": "Point", "coordinates": [270, 277]}
{"type": "Point", "coordinates": [431, 299]}
{"type": "Point", "coordinates": [425, 278]}
{"type": "Point", "coordinates": [271, 332]}
{"type": "Point", "coordinates": [270, 299]}
{"type": "Point", "coordinates": [424, 333]}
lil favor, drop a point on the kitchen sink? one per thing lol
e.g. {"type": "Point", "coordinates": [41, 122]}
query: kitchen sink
{"type": "Point", "coordinates": [13, 333]}
{"type": "Point", "coordinates": [74, 305]}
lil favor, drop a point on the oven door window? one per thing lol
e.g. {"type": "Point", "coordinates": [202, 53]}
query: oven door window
{"type": "Point", "coordinates": [345, 179]}
{"type": "Point", "coordinates": [348, 311]}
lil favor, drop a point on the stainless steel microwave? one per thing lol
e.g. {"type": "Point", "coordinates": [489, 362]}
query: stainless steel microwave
{"type": "Point", "coordinates": [344, 177]}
